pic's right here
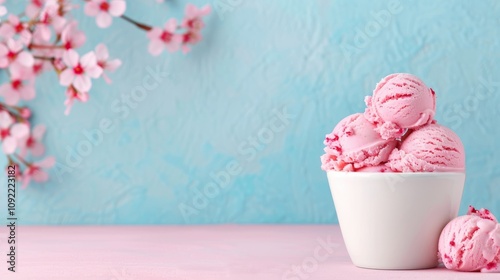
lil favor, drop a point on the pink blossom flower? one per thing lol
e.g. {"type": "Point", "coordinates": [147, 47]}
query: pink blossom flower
{"type": "Point", "coordinates": [11, 133]}
{"type": "Point", "coordinates": [164, 38]}
{"type": "Point", "coordinates": [107, 65]}
{"type": "Point", "coordinates": [18, 88]}
{"type": "Point", "coordinates": [38, 67]}
{"type": "Point", "coordinates": [3, 10]}
{"type": "Point", "coordinates": [13, 26]}
{"type": "Point", "coordinates": [42, 48]}
{"type": "Point", "coordinates": [105, 10]}
{"type": "Point", "coordinates": [191, 37]}
{"type": "Point", "coordinates": [13, 53]}
{"type": "Point", "coordinates": [35, 171]}
{"type": "Point", "coordinates": [79, 71]}
{"type": "Point", "coordinates": [71, 96]}
{"type": "Point", "coordinates": [33, 142]}
{"type": "Point", "coordinates": [71, 37]}
{"type": "Point", "coordinates": [193, 24]}
{"type": "Point", "coordinates": [63, 6]}
{"type": "Point", "coordinates": [59, 64]}
{"type": "Point", "coordinates": [49, 17]}
{"type": "Point", "coordinates": [34, 7]}
{"type": "Point", "coordinates": [192, 18]}
{"type": "Point", "coordinates": [25, 112]}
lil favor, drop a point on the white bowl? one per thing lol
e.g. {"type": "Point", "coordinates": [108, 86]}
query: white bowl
{"type": "Point", "coordinates": [393, 220]}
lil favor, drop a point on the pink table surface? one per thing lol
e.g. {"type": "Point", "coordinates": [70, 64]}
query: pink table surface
{"type": "Point", "coordinates": [194, 252]}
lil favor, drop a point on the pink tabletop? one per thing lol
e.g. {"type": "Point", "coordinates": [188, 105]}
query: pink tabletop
{"type": "Point", "coordinates": [194, 252]}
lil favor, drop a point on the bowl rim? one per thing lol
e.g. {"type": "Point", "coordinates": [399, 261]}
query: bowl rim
{"type": "Point", "coordinates": [393, 174]}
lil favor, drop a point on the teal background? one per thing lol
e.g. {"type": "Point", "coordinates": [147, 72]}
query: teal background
{"type": "Point", "coordinates": [216, 110]}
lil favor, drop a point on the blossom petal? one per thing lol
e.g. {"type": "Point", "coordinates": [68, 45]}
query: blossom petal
{"type": "Point", "coordinates": [25, 59]}
{"type": "Point", "coordinates": [19, 130]}
{"type": "Point", "coordinates": [25, 181]}
{"type": "Point", "coordinates": [9, 145]}
{"type": "Point", "coordinates": [31, 10]}
{"type": "Point", "coordinates": [10, 95]}
{"type": "Point", "coordinates": [103, 20]}
{"type": "Point", "coordinates": [38, 131]}
{"type": "Point", "coordinates": [82, 83]}
{"type": "Point", "coordinates": [68, 103]}
{"type": "Point", "coordinates": [40, 176]}
{"type": "Point", "coordinates": [25, 37]}
{"type": "Point", "coordinates": [106, 78]}
{"type": "Point", "coordinates": [101, 52]}
{"type": "Point", "coordinates": [47, 162]}
{"type": "Point", "coordinates": [155, 47]}
{"type": "Point", "coordinates": [171, 25]}
{"type": "Point", "coordinates": [191, 11]}
{"type": "Point", "coordinates": [7, 31]}
{"type": "Point", "coordinates": [37, 149]}
{"type": "Point", "coordinates": [154, 33]}
{"type": "Point", "coordinates": [66, 78]}
{"type": "Point", "coordinates": [13, 19]}
{"type": "Point", "coordinates": [27, 92]}
{"type": "Point", "coordinates": [14, 46]}
{"type": "Point", "coordinates": [88, 59]}
{"type": "Point", "coordinates": [94, 71]}
{"type": "Point", "coordinates": [205, 10]}
{"type": "Point", "coordinates": [58, 23]}
{"type": "Point", "coordinates": [5, 119]}
{"type": "Point", "coordinates": [117, 7]}
{"type": "Point", "coordinates": [4, 62]}
{"type": "Point", "coordinates": [92, 9]}
{"type": "Point", "coordinates": [112, 65]}
{"type": "Point", "coordinates": [83, 96]}
{"type": "Point", "coordinates": [44, 32]}
{"type": "Point", "coordinates": [3, 50]}
{"type": "Point", "coordinates": [71, 57]}
{"type": "Point", "coordinates": [78, 39]}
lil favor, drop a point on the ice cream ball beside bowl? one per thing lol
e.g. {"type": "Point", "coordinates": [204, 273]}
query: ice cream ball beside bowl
{"type": "Point", "coordinates": [395, 184]}
{"type": "Point", "coordinates": [471, 242]}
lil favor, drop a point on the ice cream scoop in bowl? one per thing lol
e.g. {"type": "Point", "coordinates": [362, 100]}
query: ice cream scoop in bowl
{"type": "Point", "coordinates": [396, 176]}
{"type": "Point", "coordinates": [393, 220]}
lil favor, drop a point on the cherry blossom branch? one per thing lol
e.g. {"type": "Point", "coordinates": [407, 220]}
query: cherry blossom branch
{"type": "Point", "coordinates": [44, 58]}
{"type": "Point", "coordinates": [142, 26]}
{"type": "Point", "coordinates": [19, 113]}
{"type": "Point", "coordinates": [50, 47]}
{"type": "Point", "coordinates": [45, 38]}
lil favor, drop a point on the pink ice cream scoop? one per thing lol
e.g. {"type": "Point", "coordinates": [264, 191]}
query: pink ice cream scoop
{"type": "Point", "coordinates": [381, 168]}
{"type": "Point", "coordinates": [430, 148]}
{"type": "Point", "coordinates": [471, 242]}
{"type": "Point", "coordinates": [354, 144]}
{"type": "Point", "coordinates": [400, 101]}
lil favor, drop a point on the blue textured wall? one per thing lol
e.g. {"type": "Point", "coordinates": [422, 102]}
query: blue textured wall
{"type": "Point", "coordinates": [220, 109]}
